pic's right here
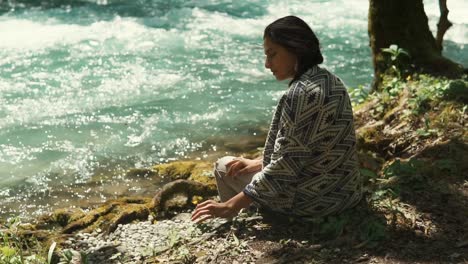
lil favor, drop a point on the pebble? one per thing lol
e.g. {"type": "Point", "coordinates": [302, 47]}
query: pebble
{"type": "Point", "coordinates": [131, 243]}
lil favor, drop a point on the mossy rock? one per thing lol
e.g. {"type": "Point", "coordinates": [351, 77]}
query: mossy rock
{"type": "Point", "coordinates": [39, 235]}
{"type": "Point", "coordinates": [175, 170]}
{"type": "Point", "coordinates": [174, 195]}
{"type": "Point", "coordinates": [111, 214]}
{"type": "Point", "coordinates": [60, 217]}
{"type": "Point", "coordinates": [177, 201]}
{"type": "Point", "coordinates": [179, 193]}
{"type": "Point", "coordinates": [199, 171]}
{"type": "Point", "coordinates": [457, 90]}
{"type": "Point", "coordinates": [203, 173]}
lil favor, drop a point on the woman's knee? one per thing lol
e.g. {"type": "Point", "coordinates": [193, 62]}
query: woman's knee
{"type": "Point", "coordinates": [220, 164]}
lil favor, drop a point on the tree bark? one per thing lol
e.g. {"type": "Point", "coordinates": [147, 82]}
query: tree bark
{"type": "Point", "coordinates": [405, 24]}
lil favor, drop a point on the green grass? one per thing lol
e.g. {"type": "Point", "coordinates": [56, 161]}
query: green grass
{"type": "Point", "coordinates": [16, 249]}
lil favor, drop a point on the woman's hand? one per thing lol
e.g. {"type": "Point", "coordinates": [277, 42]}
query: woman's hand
{"type": "Point", "coordinates": [210, 209]}
{"type": "Point", "coordinates": [241, 166]}
{"type": "Point", "coordinates": [230, 208]}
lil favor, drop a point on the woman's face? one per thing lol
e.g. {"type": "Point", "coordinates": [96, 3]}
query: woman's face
{"type": "Point", "coordinates": [279, 60]}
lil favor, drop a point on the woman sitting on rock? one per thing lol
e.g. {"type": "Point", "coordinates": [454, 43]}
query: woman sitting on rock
{"type": "Point", "coordinates": [309, 167]}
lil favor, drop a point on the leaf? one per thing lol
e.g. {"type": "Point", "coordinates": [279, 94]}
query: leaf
{"type": "Point", "coordinates": [8, 251]}
{"type": "Point", "coordinates": [68, 254]}
{"type": "Point", "coordinates": [378, 194]}
{"type": "Point", "coordinates": [196, 199]}
{"type": "Point", "coordinates": [115, 256]}
{"type": "Point", "coordinates": [368, 173]}
{"type": "Point", "coordinates": [236, 240]}
{"type": "Point", "coordinates": [423, 132]}
{"type": "Point", "coordinates": [387, 50]}
{"type": "Point", "coordinates": [402, 51]}
{"type": "Point", "coordinates": [51, 252]}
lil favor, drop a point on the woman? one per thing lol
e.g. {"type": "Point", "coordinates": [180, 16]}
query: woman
{"type": "Point", "coordinates": [309, 166]}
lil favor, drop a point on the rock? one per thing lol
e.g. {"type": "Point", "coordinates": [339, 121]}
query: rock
{"type": "Point", "coordinates": [111, 214]}
{"type": "Point", "coordinates": [457, 90]}
{"type": "Point", "coordinates": [162, 200]}
{"type": "Point", "coordinates": [182, 217]}
{"type": "Point", "coordinates": [150, 218]}
{"type": "Point", "coordinates": [141, 173]}
{"type": "Point", "coordinates": [175, 170]}
{"type": "Point", "coordinates": [199, 171]}
{"type": "Point", "coordinates": [60, 217]}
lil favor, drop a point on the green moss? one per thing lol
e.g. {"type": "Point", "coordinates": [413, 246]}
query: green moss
{"type": "Point", "coordinates": [175, 170]}
{"type": "Point", "coordinates": [203, 173]}
{"type": "Point", "coordinates": [457, 90]}
{"type": "Point", "coordinates": [23, 243]}
{"type": "Point", "coordinates": [110, 214]}
{"type": "Point", "coordinates": [127, 214]}
{"type": "Point", "coordinates": [59, 218]}
{"type": "Point", "coordinates": [134, 200]}
{"type": "Point", "coordinates": [89, 219]}
{"type": "Point", "coordinates": [199, 171]}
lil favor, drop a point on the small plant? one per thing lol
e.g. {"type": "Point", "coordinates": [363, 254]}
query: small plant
{"type": "Point", "coordinates": [51, 252]}
{"type": "Point", "coordinates": [66, 257]}
{"type": "Point", "coordinates": [174, 238]}
{"type": "Point", "coordinates": [14, 249]}
{"type": "Point", "coordinates": [358, 95]}
{"type": "Point", "coordinates": [388, 97]}
{"type": "Point", "coordinates": [397, 62]}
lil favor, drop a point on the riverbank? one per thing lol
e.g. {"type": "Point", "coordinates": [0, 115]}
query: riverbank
{"type": "Point", "coordinates": [28, 201]}
{"type": "Point", "coordinates": [412, 148]}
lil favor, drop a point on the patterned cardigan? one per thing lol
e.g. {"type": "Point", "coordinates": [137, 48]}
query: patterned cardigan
{"type": "Point", "coordinates": [310, 164]}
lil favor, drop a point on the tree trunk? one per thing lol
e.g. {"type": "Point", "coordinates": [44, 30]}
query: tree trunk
{"type": "Point", "coordinates": [443, 25]}
{"type": "Point", "coordinates": [405, 24]}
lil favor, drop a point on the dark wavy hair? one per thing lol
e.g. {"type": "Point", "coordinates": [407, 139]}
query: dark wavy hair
{"type": "Point", "coordinates": [297, 37]}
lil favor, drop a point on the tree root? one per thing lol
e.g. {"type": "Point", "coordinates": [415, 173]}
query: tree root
{"type": "Point", "coordinates": [128, 209]}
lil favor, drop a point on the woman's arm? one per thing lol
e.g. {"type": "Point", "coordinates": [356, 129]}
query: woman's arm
{"type": "Point", "coordinates": [241, 166]}
{"type": "Point", "coordinates": [230, 208]}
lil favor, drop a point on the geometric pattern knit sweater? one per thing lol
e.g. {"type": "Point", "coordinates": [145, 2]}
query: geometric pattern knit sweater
{"type": "Point", "coordinates": [310, 166]}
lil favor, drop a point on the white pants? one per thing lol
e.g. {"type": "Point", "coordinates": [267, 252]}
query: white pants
{"type": "Point", "coordinates": [229, 187]}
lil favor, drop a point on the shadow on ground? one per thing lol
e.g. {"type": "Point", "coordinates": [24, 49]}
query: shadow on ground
{"type": "Point", "coordinates": [417, 216]}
